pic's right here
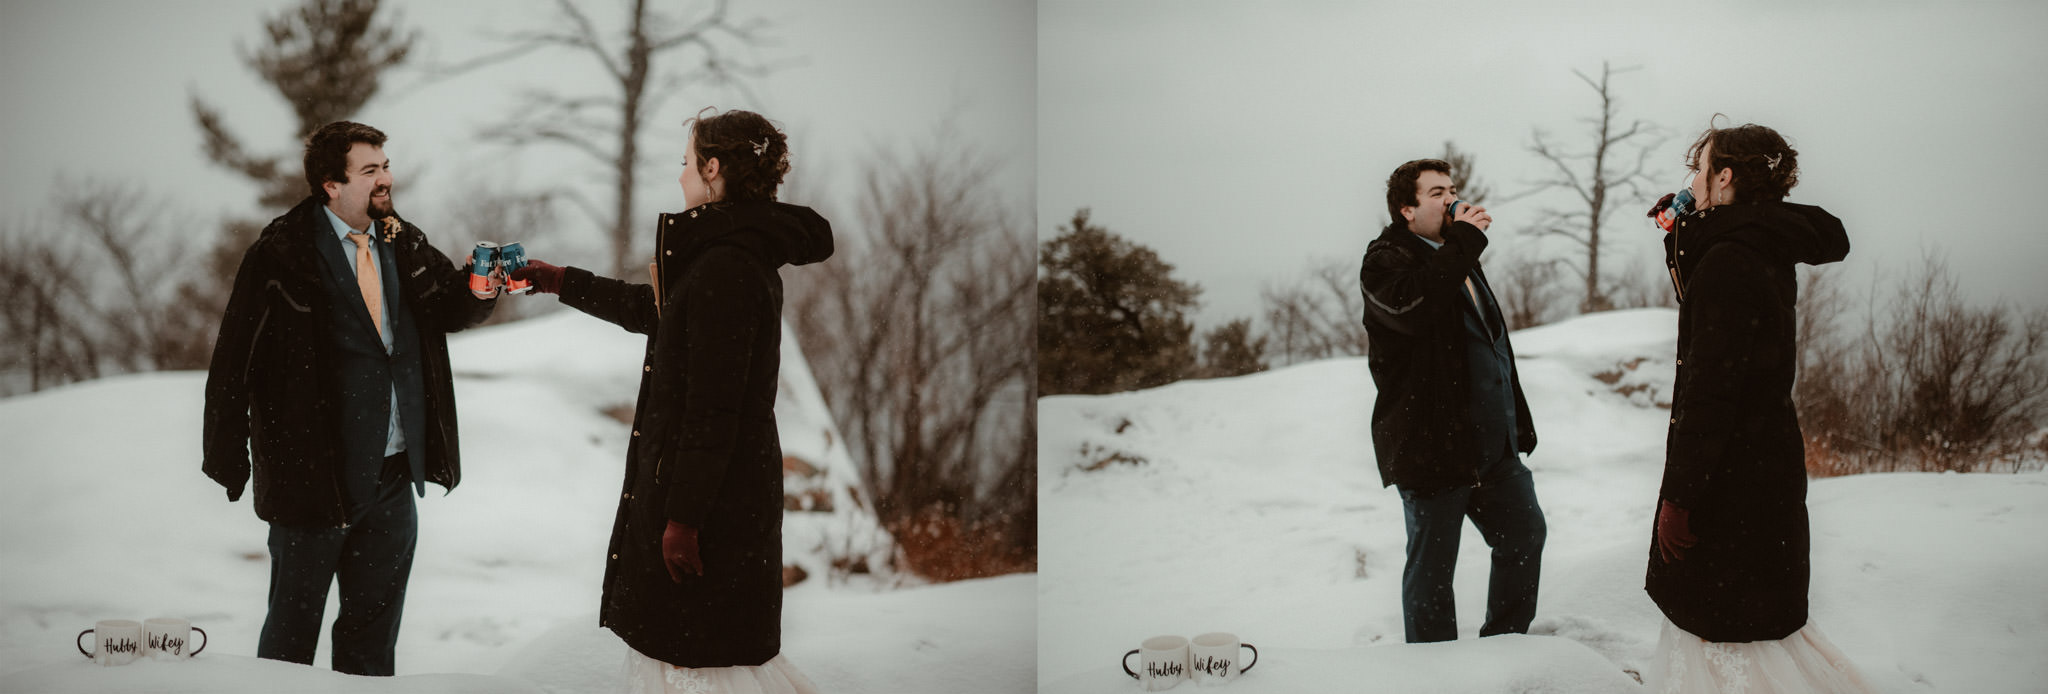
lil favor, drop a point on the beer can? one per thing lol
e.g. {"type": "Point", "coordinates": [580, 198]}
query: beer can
{"type": "Point", "coordinates": [482, 262]}
{"type": "Point", "coordinates": [511, 257]}
{"type": "Point", "coordinates": [1667, 216]}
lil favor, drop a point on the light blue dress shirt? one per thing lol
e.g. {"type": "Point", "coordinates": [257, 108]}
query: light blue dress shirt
{"type": "Point", "coordinates": [394, 443]}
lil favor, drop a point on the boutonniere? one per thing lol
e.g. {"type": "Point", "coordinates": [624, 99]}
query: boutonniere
{"type": "Point", "coordinates": [391, 228]}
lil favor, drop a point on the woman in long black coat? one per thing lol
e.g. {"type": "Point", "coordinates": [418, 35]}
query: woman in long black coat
{"type": "Point", "coordinates": [1728, 562]}
{"type": "Point", "coordinates": [693, 582]}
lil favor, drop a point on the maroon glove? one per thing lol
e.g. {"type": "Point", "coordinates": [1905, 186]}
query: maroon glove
{"type": "Point", "coordinates": [546, 279]}
{"type": "Point", "coordinates": [1673, 535]}
{"type": "Point", "coordinates": [678, 547]}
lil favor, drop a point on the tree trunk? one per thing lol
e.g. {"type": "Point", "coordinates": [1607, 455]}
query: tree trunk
{"type": "Point", "coordinates": [635, 84]}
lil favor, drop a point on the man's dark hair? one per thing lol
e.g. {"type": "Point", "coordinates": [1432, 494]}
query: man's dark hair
{"type": "Point", "coordinates": [1401, 186]}
{"type": "Point", "coordinates": [1766, 167]}
{"type": "Point", "coordinates": [327, 152]}
{"type": "Point", "coordinates": [752, 154]}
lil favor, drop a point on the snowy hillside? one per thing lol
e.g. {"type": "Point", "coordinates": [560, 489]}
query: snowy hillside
{"type": "Point", "coordinates": [105, 515]}
{"type": "Point", "coordinates": [1253, 505]}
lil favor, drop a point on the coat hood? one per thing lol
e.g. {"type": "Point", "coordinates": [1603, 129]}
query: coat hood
{"type": "Point", "coordinates": [777, 233]}
{"type": "Point", "coordinates": [1789, 232]}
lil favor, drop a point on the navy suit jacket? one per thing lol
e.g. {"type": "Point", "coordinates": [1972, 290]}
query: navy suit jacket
{"type": "Point", "coordinates": [366, 376]}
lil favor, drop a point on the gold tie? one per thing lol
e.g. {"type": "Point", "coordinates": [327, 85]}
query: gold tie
{"type": "Point", "coordinates": [366, 280]}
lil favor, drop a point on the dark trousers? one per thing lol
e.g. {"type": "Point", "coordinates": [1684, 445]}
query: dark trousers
{"type": "Point", "coordinates": [372, 558]}
{"type": "Point", "coordinates": [1507, 516]}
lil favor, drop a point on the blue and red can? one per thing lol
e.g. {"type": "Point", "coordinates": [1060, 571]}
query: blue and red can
{"type": "Point", "coordinates": [483, 262]}
{"type": "Point", "coordinates": [511, 257]}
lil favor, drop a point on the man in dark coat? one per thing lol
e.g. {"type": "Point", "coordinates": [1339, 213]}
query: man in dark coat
{"type": "Point", "coordinates": [1450, 419]}
{"type": "Point", "coordinates": [705, 466]}
{"type": "Point", "coordinates": [332, 369]}
{"type": "Point", "coordinates": [1729, 551]}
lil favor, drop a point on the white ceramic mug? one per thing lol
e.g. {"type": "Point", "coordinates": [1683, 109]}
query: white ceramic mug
{"type": "Point", "coordinates": [1212, 658]}
{"type": "Point", "coordinates": [115, 641]}
{"type": "Point", "coordinates": [170, 638]}
{"type": "Point", "coordinates": [1163, 662]}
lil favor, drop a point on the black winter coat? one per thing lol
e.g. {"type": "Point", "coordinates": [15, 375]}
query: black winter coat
{"type": "Point", "coordinates": [704, 450]}
{"type": "Point", "coordinates": [1422, 430]}
{"type": "Point", "coordinates": [266, 387]}
{"type": "Point", "coordinates": [1734, 457]}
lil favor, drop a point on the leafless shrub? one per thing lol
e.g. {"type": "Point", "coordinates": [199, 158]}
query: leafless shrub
{"type": "Point", "coordinates": [1964, 384]}
{"type": "Point", "coordinates": [93, 291]}
{"type": "Point", "coordinates": [1648, 286]}
{"type": "Point", "coordinates": [920, 331]}
{"type": "Point", "coordinates": [1316, 316]}
{"type": "Point", "coordinates": [44, 344]}
{"type": "Point", "coordinates": [1932, 383]}
{"type": "Point", "coordinates": [141, 325]}
{"type": "Point", "coordinates": [1526, 287]}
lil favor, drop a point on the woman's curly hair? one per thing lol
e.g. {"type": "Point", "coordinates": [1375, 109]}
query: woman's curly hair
{"type": "Point", "coordinates": [752, 154]}
{"type": "Point", "coordinates": [1766, 167]}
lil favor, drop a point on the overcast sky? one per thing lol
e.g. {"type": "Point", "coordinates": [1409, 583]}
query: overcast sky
{"type": "Point", "coordinates": [1241, 140]}
{"type": "Point", "coordinates": [99, 89]}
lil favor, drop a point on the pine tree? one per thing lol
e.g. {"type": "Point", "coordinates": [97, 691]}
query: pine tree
{"type": "Point", "coordinates": [1229, 350]}
{"type": "Point", "coordinates": [1111, 317]}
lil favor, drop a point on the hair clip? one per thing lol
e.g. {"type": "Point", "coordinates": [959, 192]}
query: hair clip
{"type": "Point", "coordinates": [759, 147]}
{"type": "Point", "coordinates": [1771, 162]}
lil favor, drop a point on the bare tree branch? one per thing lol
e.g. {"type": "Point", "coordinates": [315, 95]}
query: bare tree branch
{"type": "Point", "coordinates": [641, 87]}
{"type": "Point", "coordinates": [1588, 176]}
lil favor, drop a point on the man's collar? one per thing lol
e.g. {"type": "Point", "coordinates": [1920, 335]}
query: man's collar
{"type": "Point", "coordinates": [341, 228]}
{"type": "Point", "coordinates": [1425, 239]}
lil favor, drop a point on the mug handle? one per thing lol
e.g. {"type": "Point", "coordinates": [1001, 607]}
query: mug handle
{"type": "Point", "coordinates": [202, 645]}
{"type": "Point", "coordinates": [1255, 658]}
{"type": "Point", "coordinates": [80, 642]}
{"type": "Point", "coordinates": [1126, 661]}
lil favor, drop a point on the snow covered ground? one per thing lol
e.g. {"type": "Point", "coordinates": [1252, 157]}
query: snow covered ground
{"type": "Point", "coordinates": [1255, 507]}
{"type": "Point", "coordinates": [104, 514]}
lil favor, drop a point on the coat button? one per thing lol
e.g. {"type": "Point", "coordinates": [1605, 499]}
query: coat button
{"type": "Point", "coordinates": [629, 496]}
{"type": "Point", "coordinates": [615, 556]}
{"type": "Point", "coordinates": [1681, 252]}
{"type": "Point", "coordinates": [668, 252]}
{"type": "Point", "coordinates": [1674, 420]}
{"type": "Point", "coordinates": [1681, 362]}
{"type": "Point", "coordinates": [636, 432]}
{"type": "Point", "coordinates": [646, 368]}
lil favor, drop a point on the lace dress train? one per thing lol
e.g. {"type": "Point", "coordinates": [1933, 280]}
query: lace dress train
{"type": "Point", "coordinates": [644, 675]}
{"type": "Point", "coordinates": [1803, 662]}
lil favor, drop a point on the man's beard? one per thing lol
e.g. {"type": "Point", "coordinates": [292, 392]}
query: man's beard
{"type": "Point", "coordinates": [380, 212]}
